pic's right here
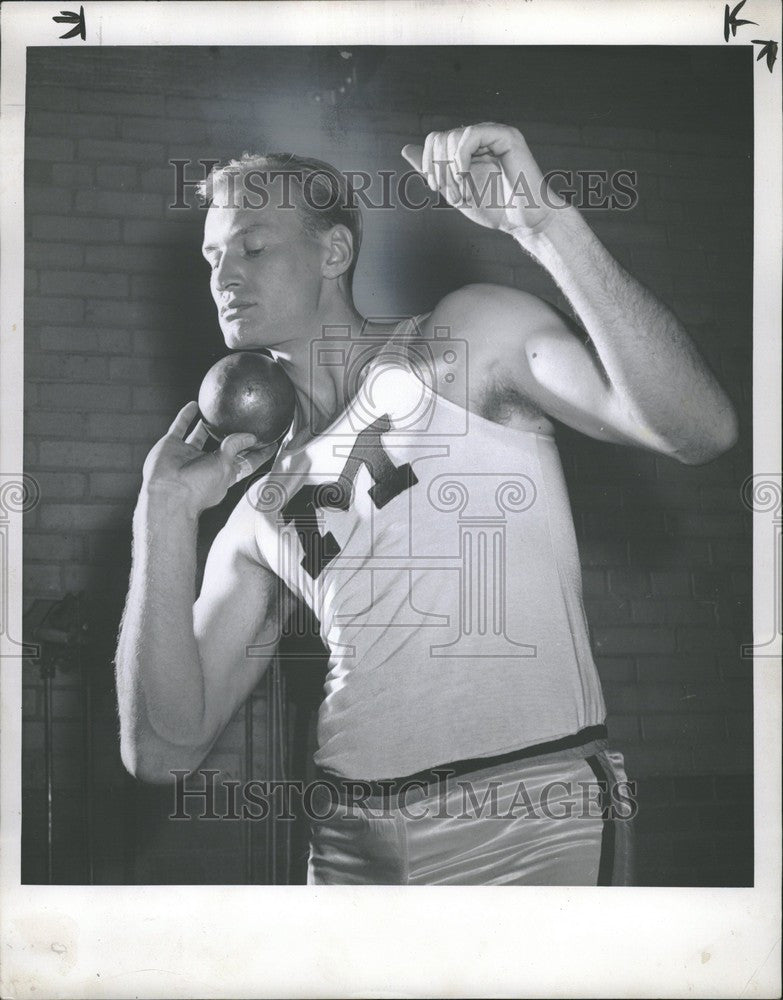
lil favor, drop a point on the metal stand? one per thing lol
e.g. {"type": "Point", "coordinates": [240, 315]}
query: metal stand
{"type": "Point", "coordinates": [248, 826]}
{"type": "Point", "coordinates": [61, 636]}
{"type": "Point", "coordinates": [47, 673]}
{"type": "Point", "coordinates": [278, 841]}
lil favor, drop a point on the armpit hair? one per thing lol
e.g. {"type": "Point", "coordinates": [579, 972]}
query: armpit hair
{"type": "Point", "coordinates": [500, 402]}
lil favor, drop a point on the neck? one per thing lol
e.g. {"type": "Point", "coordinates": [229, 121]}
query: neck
{"type": "Point", "coordinates": [322, 389]}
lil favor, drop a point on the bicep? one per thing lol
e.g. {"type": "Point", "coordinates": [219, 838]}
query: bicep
{"type": "Point", "coordinates": [237, 620]}
{"type": "Point", "coordinates": [557, 371]}
{"type": "Point", "coordinates": [549, 363]}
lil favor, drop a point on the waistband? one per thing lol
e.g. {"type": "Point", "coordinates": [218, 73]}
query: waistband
{"type": "Point", "coordinates": [587, 741]}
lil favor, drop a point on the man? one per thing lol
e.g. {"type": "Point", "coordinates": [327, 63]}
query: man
{"type": "Point", "coordinates": [418, 506]}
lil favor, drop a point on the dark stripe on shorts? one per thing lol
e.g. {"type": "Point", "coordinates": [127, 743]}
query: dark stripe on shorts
{"type": "Point", "coordinates": [606, 864]}
{"type": "Point", "coordinates": [433, 777]}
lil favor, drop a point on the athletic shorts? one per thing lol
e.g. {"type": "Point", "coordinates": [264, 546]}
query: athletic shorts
{"type": "Point", "coordinates": [555, 819]}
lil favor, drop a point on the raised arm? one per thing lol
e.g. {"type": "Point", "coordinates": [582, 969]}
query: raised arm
{"type": "Point", "coordinates": [182, 665]}
{"type": "Point", "coordinates": [657, 391]}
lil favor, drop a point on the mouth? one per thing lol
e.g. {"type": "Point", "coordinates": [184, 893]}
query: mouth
{"type": "Point", "coordinates": [233, 309]}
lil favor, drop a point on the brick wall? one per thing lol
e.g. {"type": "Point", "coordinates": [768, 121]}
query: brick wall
{"type": "Point", "coordinates": [119, 328]}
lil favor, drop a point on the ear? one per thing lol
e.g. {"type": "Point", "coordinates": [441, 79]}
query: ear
{"type": "Point", "coordinates": [339, 246]}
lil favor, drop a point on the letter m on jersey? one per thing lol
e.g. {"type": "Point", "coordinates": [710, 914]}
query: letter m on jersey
{"type": "Point", "coordinates": [389, 481]}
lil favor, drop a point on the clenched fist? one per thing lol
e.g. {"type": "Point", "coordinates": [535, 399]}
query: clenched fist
{"type": "Point", "coordinates": [488, 173]}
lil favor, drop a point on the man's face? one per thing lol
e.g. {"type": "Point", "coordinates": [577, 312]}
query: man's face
{"type": "Point", "coordinates": [266, 273]}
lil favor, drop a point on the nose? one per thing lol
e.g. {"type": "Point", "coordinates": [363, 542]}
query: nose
{"type": "Point", "coordinates": [225, 275]}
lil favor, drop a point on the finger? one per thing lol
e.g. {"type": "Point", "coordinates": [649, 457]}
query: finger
{"type": "Point", "coordinates": [231, 452]}
{"type": "Point", "coordinates": [439, 158]}
{"type": "Point", "coordinates": [231, 446]}
{"type": "Point", "coordinates": [256, 457]}
{"type": "Point", "coordinates": [455, 181]}
{"type": "Point", "coordinates": [467, 144]}
{"type": "Point", "coordinates": [445, 177]}
{"type": "Point", "coordinates": [488, 137]}
{"type": "Point", "coordinates": [184, 419]}
{"type": "Point", "coordinates": [413, 154]}
{"type": "Point", "coordinates": [241, 468]}
{"type": "Point", "coordinates": [426, 161]}
{"type": "Point", "coordinates": [199, 436]}
{"type": "Point", "coordinates": [247, 462]}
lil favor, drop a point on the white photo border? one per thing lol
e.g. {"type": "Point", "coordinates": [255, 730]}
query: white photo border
{"type": "Point", "coordinates": [258, 941]}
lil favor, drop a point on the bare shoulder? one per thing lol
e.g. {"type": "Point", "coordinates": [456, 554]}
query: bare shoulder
{"type": "Point", "coordinates": [488, 315]}
{"type": "Point", "coordinates": [501, 327]}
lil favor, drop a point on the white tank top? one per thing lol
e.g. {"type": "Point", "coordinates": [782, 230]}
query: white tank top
{"type": "Point", "coordinates": [437, 550]}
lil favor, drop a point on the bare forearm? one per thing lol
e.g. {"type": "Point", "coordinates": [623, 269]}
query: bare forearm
{"type": "Point", "coordinates": [160, 680]}
{"type": "Point", "coordinates": [649, 358]}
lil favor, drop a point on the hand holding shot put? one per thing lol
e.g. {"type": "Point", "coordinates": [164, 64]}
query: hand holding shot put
{"type": "Point", "coordinates": [247, 403]}
{"type": "Point", "coordinates": [197, 479]}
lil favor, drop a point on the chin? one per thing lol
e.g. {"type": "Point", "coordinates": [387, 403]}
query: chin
{"type": "Point", "coordinates": [234, 340]}
{"type": "Point", "coordinates": [239, 336]}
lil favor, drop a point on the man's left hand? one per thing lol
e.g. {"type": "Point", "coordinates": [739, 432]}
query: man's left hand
{"type": "Point", "coordinates": [488, 173]}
